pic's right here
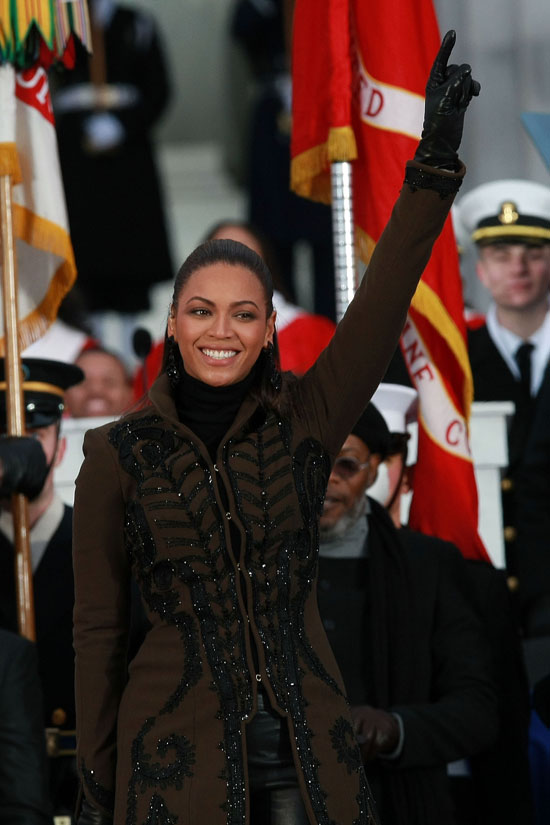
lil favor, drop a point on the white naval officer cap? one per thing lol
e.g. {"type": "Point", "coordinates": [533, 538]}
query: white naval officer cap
{"type": "Point", "coordinates": [461, 235]}
{"type": "Point", "coordinates": [506, 211]}
{"type": "Point", "coordinates": [398, 404]}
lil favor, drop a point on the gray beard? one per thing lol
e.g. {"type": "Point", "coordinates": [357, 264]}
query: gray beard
{"type": "Point", "coordinates": [343, 525]}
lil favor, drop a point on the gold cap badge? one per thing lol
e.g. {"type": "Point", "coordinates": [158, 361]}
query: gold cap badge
{"type": "Point", "coordinates": [508, 213]}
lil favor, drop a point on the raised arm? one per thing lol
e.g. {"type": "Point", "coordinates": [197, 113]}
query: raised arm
{"type": "Point", "coordinates": [337, 388]}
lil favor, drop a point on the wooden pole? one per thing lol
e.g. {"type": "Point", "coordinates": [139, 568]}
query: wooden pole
{"type": "Point", "coordinates": [15, 410]}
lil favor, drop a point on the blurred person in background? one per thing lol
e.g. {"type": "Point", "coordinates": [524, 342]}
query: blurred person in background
{"type": "Point", "coordinates": [105, 109]}
{"type": "Point", "coordinates": [24, 797]}
{"type": "Point", "coordinates": [509, 221]}
{"type": "Point", "coordinates": [50, 528]}
{"type": "Point", "coordinates": [106, 389]}
{"type": "Point", "coordinates": [477, 782]}
{"type": "Point", "coordinates": [406, 636]}
{"type": "Point", "coordinates": [284, 218]}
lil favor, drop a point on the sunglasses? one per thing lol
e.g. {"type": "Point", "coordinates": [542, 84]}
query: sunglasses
{"type": "Point", "coordinates": [346, 467]}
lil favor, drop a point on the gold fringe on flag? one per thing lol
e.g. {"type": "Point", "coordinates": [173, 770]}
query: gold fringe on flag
{"type": "Point", "coordinates": [9, 162]}
{"type": "Point", "coordinates": [427, 303]}
{"type": "Point", "coordinates": [310, 171]}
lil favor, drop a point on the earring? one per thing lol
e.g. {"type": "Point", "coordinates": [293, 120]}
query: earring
{"type": "Point", "coordinates": [172, 366]}
{"type": "Point", "coordinates": [272, 370]}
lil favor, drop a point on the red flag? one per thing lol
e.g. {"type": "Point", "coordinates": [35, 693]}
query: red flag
{"type": "Point", "coordinates": [359, 73]}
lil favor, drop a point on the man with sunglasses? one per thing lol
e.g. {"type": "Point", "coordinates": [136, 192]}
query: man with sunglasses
{"type": "Point", "coordinates": [406, 637]}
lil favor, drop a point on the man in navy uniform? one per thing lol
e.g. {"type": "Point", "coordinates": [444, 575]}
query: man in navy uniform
{"type": "Point", "coordinates": [50, 526]}
{"type": "Point", "coordinates": [509, 221]}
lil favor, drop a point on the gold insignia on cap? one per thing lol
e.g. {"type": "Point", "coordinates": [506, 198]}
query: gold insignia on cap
{"type": "Point", "coordinates": [508, 213]}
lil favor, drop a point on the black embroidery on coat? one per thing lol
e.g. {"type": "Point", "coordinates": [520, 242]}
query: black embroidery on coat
{"type": "Point", "coordinates": [103, 797]}
{"type": "Point", "coordinates": [148, 774]}
{"type": "Point", "coordinates": [311, 469]}
{"type": "Point", "coordinates": [176, 492]}
{"type": "Point", "coordinates": [159, 813]}
{"type": "Point", "coordinates": [276, 556]}
{"type": "Point", "coordinates": [345, 744]}
{"type": "Point", "coordinates": [162, 468]}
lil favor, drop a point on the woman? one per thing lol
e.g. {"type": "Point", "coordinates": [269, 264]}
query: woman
{"type": "Point", "coordinates": [233, 709]}
{"type": "Point", "coordinates": [301, 335]}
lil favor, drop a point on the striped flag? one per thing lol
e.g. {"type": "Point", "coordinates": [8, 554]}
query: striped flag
{"type": "Point", "coordinates": [359, 74]}
{"type": "Point", "coordinates": [54, 21]}
{"type": "Point", "coordinates": [28, 152]}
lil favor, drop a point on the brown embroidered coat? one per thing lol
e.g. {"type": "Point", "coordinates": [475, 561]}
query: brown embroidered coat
{"type": "Point", "coordinates": [164, 742]}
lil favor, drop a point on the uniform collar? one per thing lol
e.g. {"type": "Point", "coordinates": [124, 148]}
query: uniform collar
{"type": "Point", "coordinates": [507, 343]}
{"type": "Point", "coordinates": [41, 533]}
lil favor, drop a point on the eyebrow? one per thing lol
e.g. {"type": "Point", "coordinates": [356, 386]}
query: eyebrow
{"type": "Point", "coordinates": [211, 303]}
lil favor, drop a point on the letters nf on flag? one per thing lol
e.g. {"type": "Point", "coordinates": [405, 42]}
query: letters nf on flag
{"type": "Point", "coordinates": [28, 152]}
{"type": "Point", "coordinates": [359, 74]}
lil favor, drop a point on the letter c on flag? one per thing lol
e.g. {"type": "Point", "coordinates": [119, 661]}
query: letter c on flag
{"type": "Point", "coordinates": [452, 437]}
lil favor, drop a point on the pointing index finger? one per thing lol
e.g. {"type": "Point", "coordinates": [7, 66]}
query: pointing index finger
{"type": "Point", "coordinates": [438, 72]}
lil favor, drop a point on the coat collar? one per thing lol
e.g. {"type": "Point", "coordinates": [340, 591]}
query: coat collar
{"type": "Point", "coordinates": [162, 399]}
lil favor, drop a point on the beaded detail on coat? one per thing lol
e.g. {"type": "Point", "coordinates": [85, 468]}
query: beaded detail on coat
{"type": "Point", "coordinates": [241, 597]}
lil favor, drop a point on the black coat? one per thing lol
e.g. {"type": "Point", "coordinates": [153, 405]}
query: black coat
{"type": "Point", "coordinates": [53, 584]}
{"type": "Point", "coordinates": [53, 602]}
{"type": "Point", "coordinates": [427, 660]}
{"type": "Point", "coordinates": [114, 199]}
{"type": "Point", "coordinates": [506, 763]}
{"type": "Point", "coordinates": [23, 791]}
{"type": "Point", "coordinates": [526, 499]}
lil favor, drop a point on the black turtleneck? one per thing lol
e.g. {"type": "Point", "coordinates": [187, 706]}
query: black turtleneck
{"type": "Point", "coordinates": [209, 411]}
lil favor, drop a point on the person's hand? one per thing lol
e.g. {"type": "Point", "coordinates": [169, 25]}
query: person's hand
{"type": "Point", "coordinates": [23, 467]}
{"type": "Point", "coordinates": [103, 132]}
{"type": "Point", "coordinates": [90, 815]}
{"type": "Point", "coordinates": [376, 731]}
{"type": "Point", "coordinates": [448, 93]}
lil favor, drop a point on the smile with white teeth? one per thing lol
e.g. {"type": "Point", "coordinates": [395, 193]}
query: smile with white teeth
{"type": "Point", "coordinates": [220, 354]}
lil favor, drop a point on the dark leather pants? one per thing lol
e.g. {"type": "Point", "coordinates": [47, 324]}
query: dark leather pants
{"type": "Point", "coordinates": [275, 797]}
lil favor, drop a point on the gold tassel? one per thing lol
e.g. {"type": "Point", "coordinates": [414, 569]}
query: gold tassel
{"type": "Point", "coordinates": [341, 144]}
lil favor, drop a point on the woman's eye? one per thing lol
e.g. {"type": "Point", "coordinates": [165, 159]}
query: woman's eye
{"type": "Point", "coordinates": [200, 311]}
{"type": "Point", "coordinates": [246, 316]}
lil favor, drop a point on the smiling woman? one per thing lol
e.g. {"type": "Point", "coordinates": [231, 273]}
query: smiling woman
{"type": "Point", "coordinates": [221, 321]}
{"type": "Point", "coordinates": [233, 709]}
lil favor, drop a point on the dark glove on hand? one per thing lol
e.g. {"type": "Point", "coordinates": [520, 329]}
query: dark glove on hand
{"type": "Point", "coordinates": [448, 93]}
{"type": "Point", "coordinates": [90, 815]}
{"type": "Point", "coordinates": [376, 731]}
{"type": "Point", "coordinates": [23, 466]}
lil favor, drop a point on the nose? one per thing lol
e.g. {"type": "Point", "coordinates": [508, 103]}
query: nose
{"type": "Point", "coordinates": [519, 260]}
{"type": "Point", "coordinates": [334, 478]}
{"type": "Point", "coordinates": [220, 326]}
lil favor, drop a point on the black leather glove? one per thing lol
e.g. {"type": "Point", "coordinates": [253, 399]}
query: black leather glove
{"type": "Point", "coordinates": [90, 815]}
{"type": "Point", "coordinates": [23, 467]}
{"type": "Point", "coordinates": [448, 93]}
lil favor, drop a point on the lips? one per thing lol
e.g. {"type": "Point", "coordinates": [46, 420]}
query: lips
{"type": "Point", "coordinates": [330, 501]}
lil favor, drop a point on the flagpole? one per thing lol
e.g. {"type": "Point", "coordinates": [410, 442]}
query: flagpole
{"type": "Point", "coordinates": [15, 410]}
{"type": "Point", "coordinates": [345, 272]}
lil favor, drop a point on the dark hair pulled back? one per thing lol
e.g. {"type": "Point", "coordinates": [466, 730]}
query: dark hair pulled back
{"type": "Point", "coordinates": [233, 253]}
